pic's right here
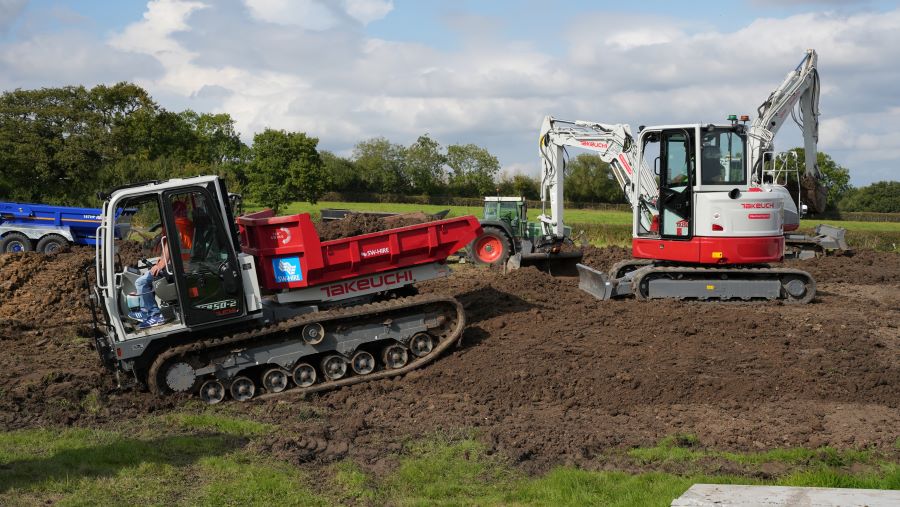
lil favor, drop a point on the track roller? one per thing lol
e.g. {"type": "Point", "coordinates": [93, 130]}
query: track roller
{"type": "Point", "coordinates": [395, 356]}
{"type": "Point", "coordinates": [421, 344]}
{"type": "Point", "coordinates": [313, 334]}
{"type": "Point", "coordinates": [334, 367]}
{"type": "Point", "coordinates": [242, 389]}
{"type": "Point", "coordinates": [275, 380]}
{"type": "Point", "coordinates": [212, 392]}
{"type": "Point", "coordinates": [304, 375]}
{"type": "Point", "coordinates": [363, 363]}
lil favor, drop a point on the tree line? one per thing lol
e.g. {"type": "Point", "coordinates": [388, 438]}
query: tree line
{"type": "Point", "coordinates": [63, 145]}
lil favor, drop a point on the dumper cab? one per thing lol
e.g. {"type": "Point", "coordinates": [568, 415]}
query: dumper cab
{"type": "Point", "coordinates": [183, 232]}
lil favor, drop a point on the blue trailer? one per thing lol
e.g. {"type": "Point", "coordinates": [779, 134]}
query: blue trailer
{"type": "Point", "coordinates": [44, 228]}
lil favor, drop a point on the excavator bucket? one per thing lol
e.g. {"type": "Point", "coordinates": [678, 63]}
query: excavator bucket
{"type": "Point", "coordinates": [594, 282]}
{"type": "Point", "coordinates": [815, 195]}
{"type": "Point", "coordinates": [560, 264]}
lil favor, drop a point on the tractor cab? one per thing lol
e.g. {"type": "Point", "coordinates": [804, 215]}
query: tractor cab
{"type": "Point", "coordinates": [512, 210]}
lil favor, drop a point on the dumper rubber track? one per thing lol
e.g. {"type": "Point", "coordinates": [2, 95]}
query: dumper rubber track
{"type": "Point", "coordinates": [798, 286]}
{"type": "Point", "coordinates": [446, 330]}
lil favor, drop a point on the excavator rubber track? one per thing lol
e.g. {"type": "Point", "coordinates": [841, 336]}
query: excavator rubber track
{"type": "Point", "coordinates": [742, 283]}
{"type": "Point", "coordinates": [446, 329]}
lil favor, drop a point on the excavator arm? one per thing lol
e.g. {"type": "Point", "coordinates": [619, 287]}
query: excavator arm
{"type": "Point", "coordinates": [800, 86]}
{"type": "Point", "coordinates": [613, 143]}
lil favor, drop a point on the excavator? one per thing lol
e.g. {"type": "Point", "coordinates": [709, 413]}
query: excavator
{"type": "Point", "coordinates": [709, 213]}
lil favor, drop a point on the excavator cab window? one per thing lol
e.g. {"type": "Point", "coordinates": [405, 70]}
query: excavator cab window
{"type": "Point", "coordinates": [676, 182]}
{"type": "Point", "coordinates": [722, 153]}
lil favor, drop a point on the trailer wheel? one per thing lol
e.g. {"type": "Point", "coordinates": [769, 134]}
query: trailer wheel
{"type": "Point", "coordinates": [51, 244]}
{"type": "Point", "coordinates": [491, 248]}
{"type": "Point", "coordinates": [15, 242]}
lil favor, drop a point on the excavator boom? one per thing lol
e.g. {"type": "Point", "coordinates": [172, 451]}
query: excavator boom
{"type": "Point", "coordinates": [800, 87]}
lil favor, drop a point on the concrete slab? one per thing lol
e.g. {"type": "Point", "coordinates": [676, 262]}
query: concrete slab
{"type": "Point", "coordinates": [729, 495]}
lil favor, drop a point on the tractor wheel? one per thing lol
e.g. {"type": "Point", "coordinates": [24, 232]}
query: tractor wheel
{"type": "Point", "coordinates": [491, 248]}
{"type": "Point", "coordinates": [51, 244]}
{"type": "Point", "coordinates": [15, 242]}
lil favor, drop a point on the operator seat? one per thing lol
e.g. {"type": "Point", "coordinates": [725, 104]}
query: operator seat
{"type": "Point", "coordinates": [165, 290]}
{"type": "Point", "coordinates": [712, 172]}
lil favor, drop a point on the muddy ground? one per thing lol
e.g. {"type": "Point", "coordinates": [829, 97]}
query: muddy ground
{"type": "Point", "coordinates": [545, 374]}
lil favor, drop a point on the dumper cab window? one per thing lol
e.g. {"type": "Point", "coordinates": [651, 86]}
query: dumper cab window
{"type": "Point", "coordinates": [205, 264]}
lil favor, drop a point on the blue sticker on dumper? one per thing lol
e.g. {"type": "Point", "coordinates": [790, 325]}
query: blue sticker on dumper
{"type": "Point", "coordinates": [287, 269]}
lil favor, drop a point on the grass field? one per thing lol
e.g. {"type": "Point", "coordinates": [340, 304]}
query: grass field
{"type": "Point", "coordinates": [604, 228]}
{"type": "Point", "coordinates": [212, 458]}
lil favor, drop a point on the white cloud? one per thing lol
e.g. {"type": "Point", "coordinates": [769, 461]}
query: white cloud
{"type": "Point", "coordinates": [307, 14]}
{"type": "Point", "coordinates": [318, 14]}
{"type": "Point", "coordinates": [367, 11]}
{"type": "Point", "coordinates": [152, 35]}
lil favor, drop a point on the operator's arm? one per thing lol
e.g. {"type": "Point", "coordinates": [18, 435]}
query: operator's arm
{"type": "Point", "coordinates": [161, 263]}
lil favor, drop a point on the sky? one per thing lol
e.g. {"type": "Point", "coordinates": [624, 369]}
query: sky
{"type": "Point", "coordinates": [482, 72]}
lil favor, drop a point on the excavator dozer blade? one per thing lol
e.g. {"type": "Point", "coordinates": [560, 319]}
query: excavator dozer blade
{"type": "Point", "coordinates": [594, 282]}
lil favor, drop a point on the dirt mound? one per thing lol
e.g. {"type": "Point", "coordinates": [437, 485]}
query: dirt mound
{"type": "Point", "coordinates": [860, 267]}
{"type": "Point", "coordinates": [602, 259]}
{"type": "Point", "coordinates": [355, 224]}
{"type": "Point", "coordinates": [545, 373]}
{"type": "Point", "coordinates": [44, 295]}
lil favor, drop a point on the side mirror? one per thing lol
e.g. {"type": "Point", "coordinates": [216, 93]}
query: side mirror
{"type": "Point", "coordinates": [656, 166]}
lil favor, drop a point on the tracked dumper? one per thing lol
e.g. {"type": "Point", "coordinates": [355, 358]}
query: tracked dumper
{"type": "Point", "coordinates": [255, 306]}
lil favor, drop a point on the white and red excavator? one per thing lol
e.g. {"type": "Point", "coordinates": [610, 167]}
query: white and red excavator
{"type": "Point", "coordinates": [710, 202]}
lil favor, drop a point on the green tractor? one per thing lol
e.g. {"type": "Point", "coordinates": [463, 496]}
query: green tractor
{"type": "Point", "coordinates": [510, 240]}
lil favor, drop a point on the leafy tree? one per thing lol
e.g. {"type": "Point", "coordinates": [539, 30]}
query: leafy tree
{"type": "Point", "coordinates": [880, 197]}
{"type": "Point", "coordinates": [472, 170]}
{"type": "Point", "coordinates": [425, 165]}
{"type": "Point", "coordinates": [519, 185]}
{"type": "Point", "coordinates": [49, 143]}
{"type": "Point", "coordinates": [589, 179]}
{"type": "Point", "coordinates": [381, 166]}
{"type": "Point", "coordinates": [284, 167]}
{"type": "Point", "coordinates": [835, 177]}
{"type": "Point", "coordinates": [342, 172]}
{"type": "Point", "coordinates": [216, 140]}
